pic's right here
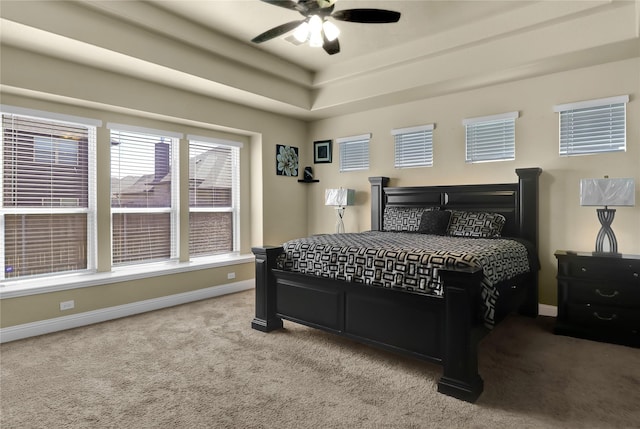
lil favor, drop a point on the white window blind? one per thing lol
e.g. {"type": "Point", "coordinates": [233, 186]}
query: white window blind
{"type": "Point", "coordinates": [143, 197]}
{"type": "Point", "coordinates": [354, 152]}
{"type": "Point", "coordinates": [594, 126]}
{"type": "Point", "coordinates": [47, 210]}
{"type": "Point", "coordinates": [413, 146]}
{"type": "Point", "coordinates": [491, 138]}
{"type": "Point", "coordinates": [214, 190]}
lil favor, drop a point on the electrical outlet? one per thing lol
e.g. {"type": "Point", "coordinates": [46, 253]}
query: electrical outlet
{"type": "Point", "coordinates": [67, 305]}
{"type": "Point", "coordinates": [231, 275]}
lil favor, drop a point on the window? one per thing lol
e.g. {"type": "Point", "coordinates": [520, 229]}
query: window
{"type": "Point", "coordinates": [491, 138]}
{"type": "Point", "coordinates": [354, 152]}
{"type": "Point", "coordinates": [591, 127]}
{"type": "Point", "coordinates": [413, 146]}
{"type": "Point", "coordinates": [143, 195]}
{"type": "Point", "coordinates": [214, 187]}
{"type": "Point", "coordinates": [47, 209]}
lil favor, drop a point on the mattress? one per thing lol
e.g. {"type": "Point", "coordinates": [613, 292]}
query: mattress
{"type": "Point", "coordinates": [407, 261]}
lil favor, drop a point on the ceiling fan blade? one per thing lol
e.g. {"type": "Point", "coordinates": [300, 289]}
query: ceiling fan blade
{"type": "Point", "coordinates": [276, 31]}
{"type": "Point", "coordinates": [367, 16]}
{"type": "Point", "coordinates": [289, 4]}
{"type": "Point", "coordinates": [331, 47]}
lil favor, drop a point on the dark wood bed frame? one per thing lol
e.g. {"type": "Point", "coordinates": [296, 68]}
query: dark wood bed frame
{"type": "Point", "coordinates": [390, 319]}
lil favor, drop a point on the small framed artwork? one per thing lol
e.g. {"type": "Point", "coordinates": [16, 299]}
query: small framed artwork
{"type": "Point", "coordinates": [322, 152]}
{"type": "Point", "coordinates": [286, 160]}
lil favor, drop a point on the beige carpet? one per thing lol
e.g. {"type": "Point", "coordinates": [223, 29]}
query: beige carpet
{"type": "Point", "coordinates": [200, 365]}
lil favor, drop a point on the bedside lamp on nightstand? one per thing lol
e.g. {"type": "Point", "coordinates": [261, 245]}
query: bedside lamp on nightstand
{"type": "Point", "coordinates": [340, 199]}
{"type": "Point", "coordinates": [607, 192]}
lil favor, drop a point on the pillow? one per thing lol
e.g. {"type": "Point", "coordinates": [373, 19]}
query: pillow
{"type": "Point", "coordinates": [475, 224]}
{"type": "Point", "coordinates": [403, 219]}
{"type": "Point", "coordinates": [434, 222]}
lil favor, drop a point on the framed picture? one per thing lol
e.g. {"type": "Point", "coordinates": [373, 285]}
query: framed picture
{"type": "Point", "coordinates": [322, 152]}
{"type": "Point", "coordinates": [286, 160]}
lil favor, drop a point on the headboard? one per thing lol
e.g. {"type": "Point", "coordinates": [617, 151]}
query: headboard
{"type": "Point", "coordinates": [517, 202]}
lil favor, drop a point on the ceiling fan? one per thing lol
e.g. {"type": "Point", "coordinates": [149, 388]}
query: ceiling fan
{"type": "Point", "coordinates": [316, 28]}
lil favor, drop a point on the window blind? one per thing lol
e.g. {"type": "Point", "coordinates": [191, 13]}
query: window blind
{"type": "Point", "coordinates": [591, 127]}
{"type": "Point", "coordinates": [491, 138]}
{"type": "Point", "coordinates": [413, 146]}
{"type": "Point", "coordinates": [48, 169]}
{"type": "Point", "coordinates": [213, 197]}
{"type": "Point", "coordinates": [143, 198]}
{"type": "Point", "coordinates": [354, 152]}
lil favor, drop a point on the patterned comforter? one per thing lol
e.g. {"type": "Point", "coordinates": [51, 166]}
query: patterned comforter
{"type": "Point", "coordinates": [407, 261]}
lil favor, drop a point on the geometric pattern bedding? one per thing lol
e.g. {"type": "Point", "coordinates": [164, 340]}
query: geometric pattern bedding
{"type": "Point", "coordinates": [407, 261]}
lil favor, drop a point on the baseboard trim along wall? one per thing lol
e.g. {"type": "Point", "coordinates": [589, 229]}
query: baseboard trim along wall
{"type": "Point", "coordinates": [27, 330]}
{"type": "Point", "coordinates": [547, 310]}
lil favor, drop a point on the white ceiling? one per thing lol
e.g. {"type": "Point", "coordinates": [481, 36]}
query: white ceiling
{"type": "Point", "coordinates": [245, 19]}
{"type": "Point", "coordinates": [437, 47]}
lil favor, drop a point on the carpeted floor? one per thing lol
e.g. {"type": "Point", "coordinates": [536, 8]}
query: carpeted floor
{"type": "Point", "coordinates": [200, 365]}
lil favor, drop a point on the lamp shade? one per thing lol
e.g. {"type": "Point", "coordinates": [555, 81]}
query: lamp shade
{"type": "Point", "coordinates": [340, 197]}
{"type": "Point", "coordinates": [607, 192]}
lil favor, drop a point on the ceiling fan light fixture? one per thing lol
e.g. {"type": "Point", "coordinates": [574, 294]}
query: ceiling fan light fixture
{"type": "Point", "coordinates": [331, 31]}
{"type": "Point", "coordinates": [315, 40]}
{"type": "Point", "coordinates": [315, 31]}
{"type": "Point", "coordinates": [302, 32]}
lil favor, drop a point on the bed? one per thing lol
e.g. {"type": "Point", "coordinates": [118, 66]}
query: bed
{"type": "Point", "coordinates": [440, 320]}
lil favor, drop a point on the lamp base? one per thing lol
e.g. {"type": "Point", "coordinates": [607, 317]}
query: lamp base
{"type": "Point", "coordinates": [605, 216]}
{"type": "Point", "coordinates": [339, 222]}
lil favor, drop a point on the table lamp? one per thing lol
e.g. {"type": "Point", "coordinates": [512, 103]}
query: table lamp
{"type": "Point", "coordinates": [607, 192]}
{"type": "Point", "coordinates": [339, 198]}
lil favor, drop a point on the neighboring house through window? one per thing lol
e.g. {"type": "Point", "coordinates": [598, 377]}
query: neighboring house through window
{"type": "Point", "coordinates": [214, 176]}
{"type": "Point", "coordinates": [143, 194]}
{"type": "Point", "coordinates": [47, 209]}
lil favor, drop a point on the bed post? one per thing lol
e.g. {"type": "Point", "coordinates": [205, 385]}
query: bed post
{"type": "Point", "coordinates": [462, 332]}
{"type": "Point", "coordinates": [528, 191]}
{"type": "Point", "coordinates": [377, 201]}
{"type": "Point", "coordinates": [266, 319]}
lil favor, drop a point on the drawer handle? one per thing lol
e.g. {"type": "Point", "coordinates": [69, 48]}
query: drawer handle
{"type": "Point", "coordinates": [604, 295]}
{"type": "Point", "coordinates": [613, 316]}
{"type": "Point", "coordinates": [636, 275]}
{"type": "Point", "coordinates": [583, 269]}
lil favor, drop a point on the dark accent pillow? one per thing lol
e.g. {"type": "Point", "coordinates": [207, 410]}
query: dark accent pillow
{"type": "Point", "coordinates": [434, 222]}
{"type": "Point", "coordinates": [475, 224]}
{"type": "Point", "coordinates": [403, 219]}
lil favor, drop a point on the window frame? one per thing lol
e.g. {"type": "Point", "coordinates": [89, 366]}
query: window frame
{"type": "Point", "coordinates": [586, 110]}
{"type": "Point", "coordinates": [234, 209]}
{"type": "Point", "coordinates": [484, 128]}
{"type": "Point", "coordinates": [90, 210]}
{"type": "Point", "coordinates": [410, 142]}
{"type": "Point", "coordinates": [359, 142]}
{"type": "Point", "coordinates": [172, 209]}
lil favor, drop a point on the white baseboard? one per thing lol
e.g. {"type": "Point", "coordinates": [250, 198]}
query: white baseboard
{"type": "Point", "coordinates": [547, 310]}
{"type": "Point", "coordinates": [26, 330]}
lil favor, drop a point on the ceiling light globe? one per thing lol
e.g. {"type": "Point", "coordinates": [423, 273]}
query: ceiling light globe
{"type": "Point", "coordinates": [330, 31]}
{"type": "Point", "coordinates": [315, 40]}
{"type": "Point", "coordinates": [302, 32]}
{"type": "Point", "coordinates": [315, 24]}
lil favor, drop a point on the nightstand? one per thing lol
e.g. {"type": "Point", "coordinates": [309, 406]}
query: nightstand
{"type": "Point", "coordinates": [599, 297]}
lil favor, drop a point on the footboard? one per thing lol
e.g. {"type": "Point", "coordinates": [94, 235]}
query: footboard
{"type": "Point", "coordinates": [442, 329]}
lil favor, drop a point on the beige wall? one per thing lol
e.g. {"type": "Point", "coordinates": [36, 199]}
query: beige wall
{"type": "Point", "coordinates": [278, 208]}
{"type": "Point", "coordinates": [564, 224]}
{"type": "Point", "coordinates": [49, 84]}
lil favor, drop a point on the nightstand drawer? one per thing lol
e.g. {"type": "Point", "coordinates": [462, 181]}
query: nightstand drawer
{"type": "Point", "coordinates": [604, 317]}
{"type": "Point", "coordinates": [618, 269]}
{"type": "Point", "coordinates": [604, 293]}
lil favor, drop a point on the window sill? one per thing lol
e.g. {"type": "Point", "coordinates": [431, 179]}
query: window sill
{"type": "Point", "coordinates": [34, 286]}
